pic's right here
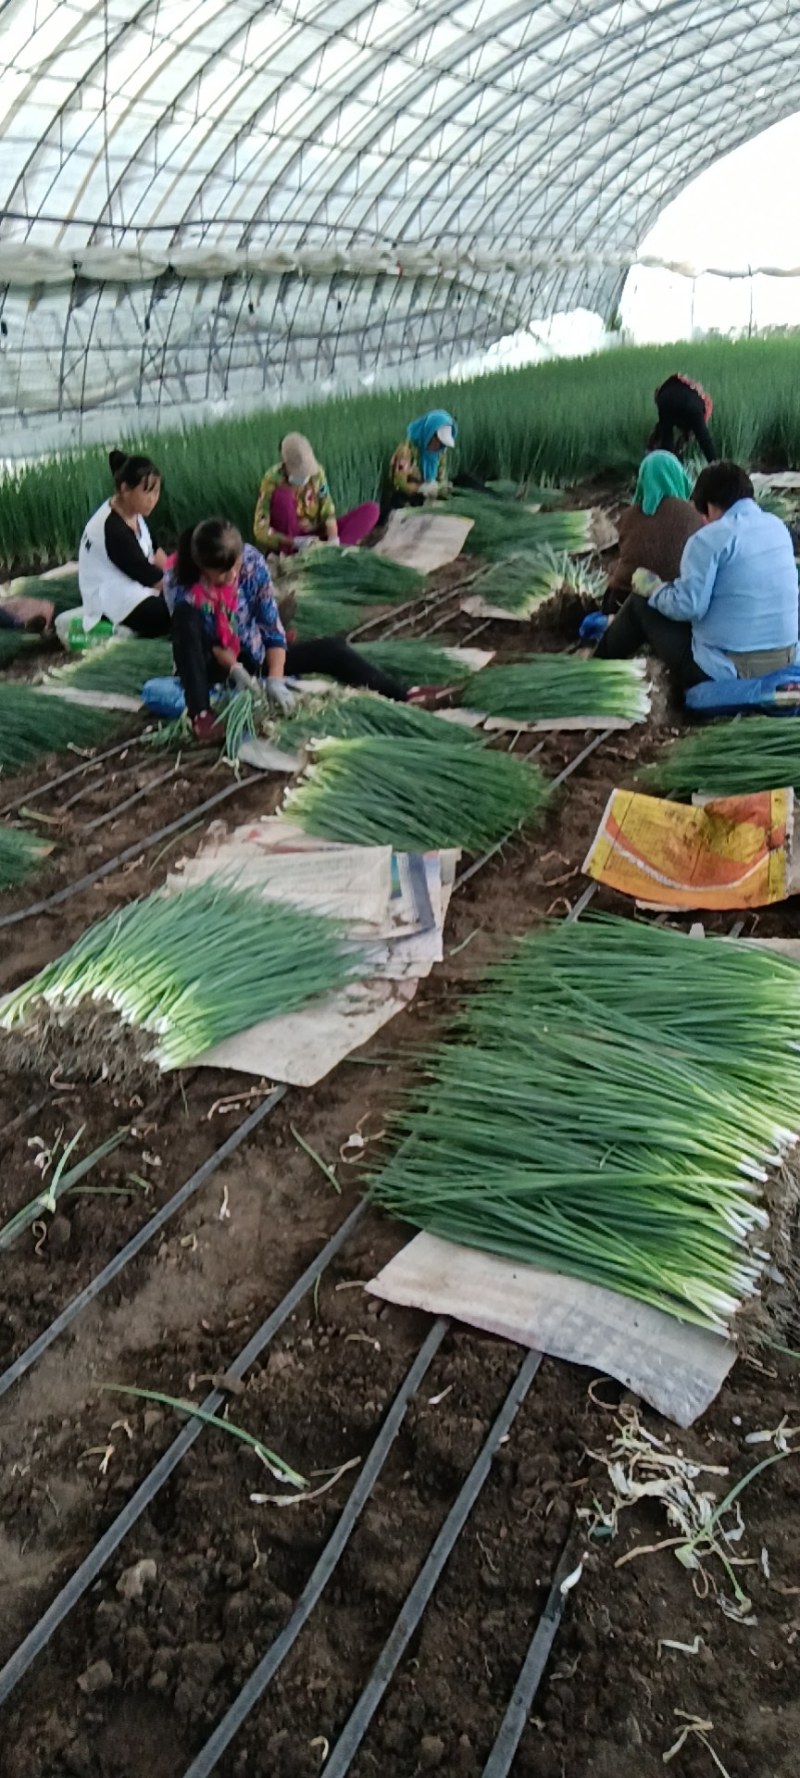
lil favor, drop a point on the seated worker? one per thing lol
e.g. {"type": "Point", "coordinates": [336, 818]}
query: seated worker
{"type": "Point", "coordinates": [654, 531]}
{"type": "Point", "coordinates": [732, 612]}
{"type": "Point", "coordinates": [225, 623]}
{"type": "Point", "coordinates": [295, 507]}
{"type": "Point", "coordinates": [119, 572]}
{"type": "Point", "coordinates": [418, 469]}
{"type": "Point", "coordinates": [683, 407]}
{"type": "Point", "coordinates": [22, 613]}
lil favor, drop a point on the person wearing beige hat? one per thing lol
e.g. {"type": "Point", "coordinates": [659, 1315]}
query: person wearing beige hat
{"type": "Point", "coordinates": [295, 507]}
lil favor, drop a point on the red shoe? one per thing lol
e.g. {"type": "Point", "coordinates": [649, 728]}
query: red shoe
{"type": "Point", "coordinates": [206, 729]}
{"type": "Point", "coordinates": [428, 696]}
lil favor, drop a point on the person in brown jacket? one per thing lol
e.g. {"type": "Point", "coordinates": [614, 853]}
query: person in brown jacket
{"type": "Point", "coordinates": [654, 531]}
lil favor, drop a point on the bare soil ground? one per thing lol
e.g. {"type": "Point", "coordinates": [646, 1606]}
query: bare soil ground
{"type": "Point", "coordinates": [133, 1686]}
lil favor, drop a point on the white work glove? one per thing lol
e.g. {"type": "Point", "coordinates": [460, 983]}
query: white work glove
{"type": "Point", "coordinates": [430, 490]}
{"type": "Point", "coordinates": [301, 543]}
{"type": "Point", "coordinates": [280, 695]}
{"type": "Point", "coordinates": [334, 542]}
{"type": "Point", "coordinates": [241, 679]}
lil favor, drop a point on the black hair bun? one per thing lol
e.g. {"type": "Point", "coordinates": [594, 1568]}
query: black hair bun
{"type": "Point", "coordinates": [116, 460]}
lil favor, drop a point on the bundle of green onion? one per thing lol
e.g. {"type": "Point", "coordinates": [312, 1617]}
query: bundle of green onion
{"type": "Point", "coordinates": [164, 979]}
{"type": "Point", "coordinates": [732, 758]}
{"type": "Point", "coordinates": [416, 662]}
{"type": "Point", "coordinates": [21, 854]}
{"type": "Point", "coordinates": [531, 493]}
{"type": "Point", "coordinates": [552, 687]}
{"type": "Point", "coordinates": [353, 575]}
{"type": "Point", "coordinates": [611, 1111]}
{"type": "Point", "coordinates": [501, 528]}
{"type": "Point", "coordinates": [418, 796]}
{"type": "Point", "coordinates": [13, 643]}
{"type": "Point", "coordinates": [347, 715]}
{"type": "Point", "coordinates": [32, 725]}
{"type": "Point", "coordinates": [521, 582]}
{"type": "Point", "coordinates": [782, 505]}
{"type": "Point", "coordinates": [121, 667]}
{"type": "Point", "coordinates": [316, 615]}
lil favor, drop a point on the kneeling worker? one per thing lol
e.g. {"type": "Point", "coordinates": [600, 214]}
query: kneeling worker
{"type": "Point", "coordinates": [732, 612]}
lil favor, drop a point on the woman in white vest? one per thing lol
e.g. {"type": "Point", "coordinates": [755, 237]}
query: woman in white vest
{"type": "Point", "coordinates": [119, 572]}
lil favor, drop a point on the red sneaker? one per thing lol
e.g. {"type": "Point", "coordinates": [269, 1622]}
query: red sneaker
{"type": "Point", "coordinates": [206, 729]}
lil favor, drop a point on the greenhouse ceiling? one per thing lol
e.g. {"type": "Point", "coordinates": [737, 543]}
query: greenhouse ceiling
{"type": "Point", "coordinates": [206, 203]}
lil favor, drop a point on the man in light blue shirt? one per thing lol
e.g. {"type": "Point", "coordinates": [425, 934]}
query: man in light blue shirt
{"type": "Point", "coordinates": [733, 611]}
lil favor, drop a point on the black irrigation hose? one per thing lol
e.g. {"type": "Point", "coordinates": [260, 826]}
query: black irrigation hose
{"type": "Point", "coordinates": [30, 796]}
{"type": "Point", "coordinates": [343, 1753]}
{"type": "Point", "coordinates": [135, 851]}
{"type": "Point", "coordinates": [261, 1676]}
{"type": "Point", "coordinates": [92, 1565]}
{"type": "Point", "coordinates": [520, 1704]}
{"type": "Point", "coordinates": [33, 1353]}
{"type": "Point", "coordinates": [128, 801]}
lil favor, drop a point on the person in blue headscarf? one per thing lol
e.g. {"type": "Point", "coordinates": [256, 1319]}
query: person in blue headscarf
{"type": "Point", "coordinates": [418, 469]}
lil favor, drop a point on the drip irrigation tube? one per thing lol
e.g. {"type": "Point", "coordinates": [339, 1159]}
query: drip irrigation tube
{"type": "Point", "coordinates": [472, 869]}
{"type": "Point", "coordinates": [345, 1749]}
{"type": "Point", "coordinates": [135, 851]}
{"type": "Point", "coordinates": [128, 801]}
{"type": "Point", "coordinates": [261, 1676]}
{"type": "Point", "coordinates": [92, 1565]}
{"type": "Point", "coordinates": [86, 765]}
{"type": "Point", "coordinates": [34, 1352]}
{"type": "Point", "coordinates": [520, 1704]}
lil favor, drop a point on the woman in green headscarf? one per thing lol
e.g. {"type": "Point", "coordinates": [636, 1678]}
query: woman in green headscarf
{"type": "Point", "coordinates": [654, 531]}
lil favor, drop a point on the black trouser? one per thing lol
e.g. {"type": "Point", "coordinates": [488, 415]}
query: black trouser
{"type": "Point", "coordinates": [638, 625]}
{"type": "Point", "coordinates": [681, 409]}
{"type": "Point", "coordinates": [149, 618]}
{"type": "Point", "coordinates": [198, 668]}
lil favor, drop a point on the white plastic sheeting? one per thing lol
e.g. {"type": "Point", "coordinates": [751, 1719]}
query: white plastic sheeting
{"type": "Point", "coordinates": [206, 201]}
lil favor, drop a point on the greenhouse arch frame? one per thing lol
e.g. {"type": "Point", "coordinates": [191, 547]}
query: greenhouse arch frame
{"type": "Point", "coordinates": [206, 206]}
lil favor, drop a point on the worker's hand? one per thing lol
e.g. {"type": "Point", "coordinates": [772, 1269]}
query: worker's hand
{"type": "Point", "coordinates": [280, 695]}
{"type": "Point", "coordinates": [159, 558]}
{"type": "Point", "coordinates": [302, 543]}
{"type": "Point", "coordinates": [644, 583]}
{"type": "Point", "coordinates": [224, 657]}
{"type": "Point", "coordinates": [241, 679]}
{"type": "Point", "coordinates": [430, 490]}
{"type": "Point", "coordinates": [335, 541]}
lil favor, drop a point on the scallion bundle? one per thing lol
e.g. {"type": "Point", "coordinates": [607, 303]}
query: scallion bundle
{"type": "Point", "coordinates": [14, 643]}
{"type": "Point", "coordinates": [32, 725]}
{"type": "Point", "coordinates": [612, 1110]}
{"type": "Point", "coordinates": [415, 662]}
{"type": "Point", "coordinates": [165, 978]}
{"type": "Point", "coordinates": [352, 575]}
{"type": "Point", "coordinates": [558, 686]}
{"type": "Point", "coordinates": [732, 758]}
{"type": "Point", "coordinates": [501, 528]}
{"type": "Point", "coordinates": [118, 666]}
{"type": "Point", "coordinates": [347, 715]}
{"type": "Point", "coordinates": [21, 853]}
{"type": "Point", "coordinates": [417, 796]}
